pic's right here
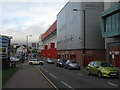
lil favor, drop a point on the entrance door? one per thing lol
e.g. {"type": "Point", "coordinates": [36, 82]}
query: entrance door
{"type": "Point", "coordinates": [117, 60]}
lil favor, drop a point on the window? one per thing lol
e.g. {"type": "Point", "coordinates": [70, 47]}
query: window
{"type": "Point", "coordinates": [91, 63]}
{"type": "Point", "coordinates": [113, 22]}
{"type": "Point", "coordinates": [95, 64]}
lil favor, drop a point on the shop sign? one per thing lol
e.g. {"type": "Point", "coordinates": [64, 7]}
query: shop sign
{"type": "Point", "coordinates": [116, 52]}
{"type": "Point", "coordinates": [110, 52]}
{"type": "Point", "coordinates": [113, 56]}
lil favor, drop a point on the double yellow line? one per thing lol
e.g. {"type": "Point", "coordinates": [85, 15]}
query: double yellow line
{"type": "Point", "coordinates": [47, 78]}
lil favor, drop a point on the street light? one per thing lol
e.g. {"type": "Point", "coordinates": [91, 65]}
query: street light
{"type": "Point", "coordinates": [84, 44]}
{"type": "Point", "coordinates": [27, 40]}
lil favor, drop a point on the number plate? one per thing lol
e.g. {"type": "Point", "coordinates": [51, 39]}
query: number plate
{"type": "Point", "coordinates": [113, 74]}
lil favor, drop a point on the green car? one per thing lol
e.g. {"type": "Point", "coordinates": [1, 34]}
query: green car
{"type": "Point", "coordinates": [102, 68]}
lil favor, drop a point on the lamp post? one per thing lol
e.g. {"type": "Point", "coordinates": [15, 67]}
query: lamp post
{"type": "Point", "coordinates": [84, 40]}
{"type": "Point", "coordinates": [27, 42]}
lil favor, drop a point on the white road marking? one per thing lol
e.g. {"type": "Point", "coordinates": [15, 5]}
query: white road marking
{"type": "Point", "coordinates": [66, 84]}
{"type": "Point", "coordinates": [112, 84]}
{"type": "Point", "coordinates": [40, 67]}
{"type": "Point", "coordinates": [80, 74]}
{"type": "Point", "coordinates": [45, 70]}
{"type": "Point", "coordinates": [53, 75]}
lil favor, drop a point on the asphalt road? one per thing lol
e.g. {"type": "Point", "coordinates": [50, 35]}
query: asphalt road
{"type": "Point", "coordinates": [64, 78]}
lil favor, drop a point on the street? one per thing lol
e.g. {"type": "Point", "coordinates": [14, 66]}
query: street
{"type": "Point", "coordinates": [64, 78]}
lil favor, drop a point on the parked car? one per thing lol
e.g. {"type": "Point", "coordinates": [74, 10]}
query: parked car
{"type": "Point", "coordinates": [72, 64]}
{"type": "Point", "coordinates": [50, 61]}
{"type": "Point", "coordinates": [35, 61]}
{"type": "Point", "coordinates": [14, 58]}
{"type": "Point", "coordinates": [102, 68]}
{"type": "Point", "coordinates": [60, 63]}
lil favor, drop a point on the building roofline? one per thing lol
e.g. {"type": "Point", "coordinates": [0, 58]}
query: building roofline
{"type": "Point", "coordinates": [51, 29]}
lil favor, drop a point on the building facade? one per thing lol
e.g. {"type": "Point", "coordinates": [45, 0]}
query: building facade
{"type": "Point", "coordinates": [110, 21]}
{"type": "Point", "coordinates": [79, 33]}
{"type": "Point", "coordinates": [49, 42]}
{"type": "Point", "coordinates": [5, 51]}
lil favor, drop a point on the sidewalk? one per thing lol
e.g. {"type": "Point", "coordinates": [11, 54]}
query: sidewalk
{"type": "Point", "coordinates": [27, 77]}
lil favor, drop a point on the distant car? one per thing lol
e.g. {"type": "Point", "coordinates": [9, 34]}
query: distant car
{"type": "Point", "coordinates": [35, 61]}
{"type": "Point", "coordinates": [14, 58]}
{"type": "Point", "coordinates": [50, 61]}
{"type": "Point", "coordinates": [60, 63]}
{"type": "Point", "coordinates": [102, 68]}
{"type": "Point", "coordinates": [72, 64]}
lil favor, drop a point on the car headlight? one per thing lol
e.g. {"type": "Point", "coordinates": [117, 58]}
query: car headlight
{"type": "Point", "coordinates": [61, 63]}
{"type": "Point", "coordinates": [105, 69]}
{"type": "Point", "coordinates": [71, 65]}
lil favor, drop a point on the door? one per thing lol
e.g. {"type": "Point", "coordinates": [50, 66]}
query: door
{"type": "Point", "coordinates": [117, 60]}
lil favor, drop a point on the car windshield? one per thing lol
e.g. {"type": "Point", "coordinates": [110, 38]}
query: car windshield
{"type": "Point", "coordinates": [34, 59]}
{"type": "Point", "coordinates": [105, 64]}
{"type": "Point", "coordinates": [51, 59]}
{"type": "Point", "coordinates": [73, 62]}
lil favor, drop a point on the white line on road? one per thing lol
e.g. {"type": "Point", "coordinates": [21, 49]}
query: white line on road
{"type": "Point", "coordinates": [66, 84]}
{"type": "Point", "coordinates": [53, 75]}
{"type": "Point", "coordinates": [80, 74]}
{"type": "Point", "coordinates": [45, 70]}
{"type": "Point", "coordinates": [112, 84]}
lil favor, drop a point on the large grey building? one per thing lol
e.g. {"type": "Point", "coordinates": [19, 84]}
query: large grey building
{"type": "Point", "coordinates": [79, 33]}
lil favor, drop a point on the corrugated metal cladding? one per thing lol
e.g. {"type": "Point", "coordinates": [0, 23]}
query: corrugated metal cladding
{"type": "Point", "coordinates": [71, 22]}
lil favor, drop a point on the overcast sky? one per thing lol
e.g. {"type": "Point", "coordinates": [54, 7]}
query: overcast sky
{"type": "Point", "coordinates": [19, 19]}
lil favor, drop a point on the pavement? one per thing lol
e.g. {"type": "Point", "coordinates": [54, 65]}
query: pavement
{"type": "Point", "coordinates": [27, 77]}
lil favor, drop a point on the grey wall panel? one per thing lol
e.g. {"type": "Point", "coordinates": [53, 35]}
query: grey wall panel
{"type": "Point", "coordinates": [93, 35]}
{"type": "Point", "coordinates": [70, 24]}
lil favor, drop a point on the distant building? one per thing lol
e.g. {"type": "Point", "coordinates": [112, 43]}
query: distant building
{"type": "Point", "coordinates": [110, 21]}
{"type": "Point", "coordinates": [41, 47]}
{"type": "Point", "coordinates": [35, 45]}
{"type": "Point", "coordinates": [5, 51]}
{"type": "Point", "coordinates": [79, 33]}
{"type": "Point", "coordinates": [21, 49]}
{"type": "Point", "coordinates": [49, 41]}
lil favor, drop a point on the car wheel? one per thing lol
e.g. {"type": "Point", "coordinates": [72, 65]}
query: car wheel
{"type": "Point", "coordinates": [88, 72]}
{"type": "Point", "coordinates": [30, 63]}
{"type": "Point", "coordinates": [99, 74]}
{"type": "Point", "coordinates": [65, 67]}
{"type": "Point", "coordinates": [79, 68]}
{"type": "Point", "coordinates": [40, 63]}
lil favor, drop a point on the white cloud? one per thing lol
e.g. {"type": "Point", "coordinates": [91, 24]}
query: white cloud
{"type": "Point", "coordinates": [21, 19]}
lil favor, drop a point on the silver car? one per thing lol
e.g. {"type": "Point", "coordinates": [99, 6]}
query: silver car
{"type": "Point", "coordinates": [50, 61]}
{"type": "Point", "coordinates": [72, 64]}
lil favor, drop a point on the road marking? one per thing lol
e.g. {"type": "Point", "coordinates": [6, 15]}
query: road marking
{"type": "Point", "coordinates": [80, 74]}
{"type": "Point", "coordinates": [40, 67]}
{"type": "Point", "coordinates": [66, 84]}
{"type": "Point", "coordinates": [112, 84]}
{"type": "Point", "coordinates": [53, 75]}
{"type": "Point", "coordinates": [47, 79]}
{"type": "Point", "coordinates": [45, 70]}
